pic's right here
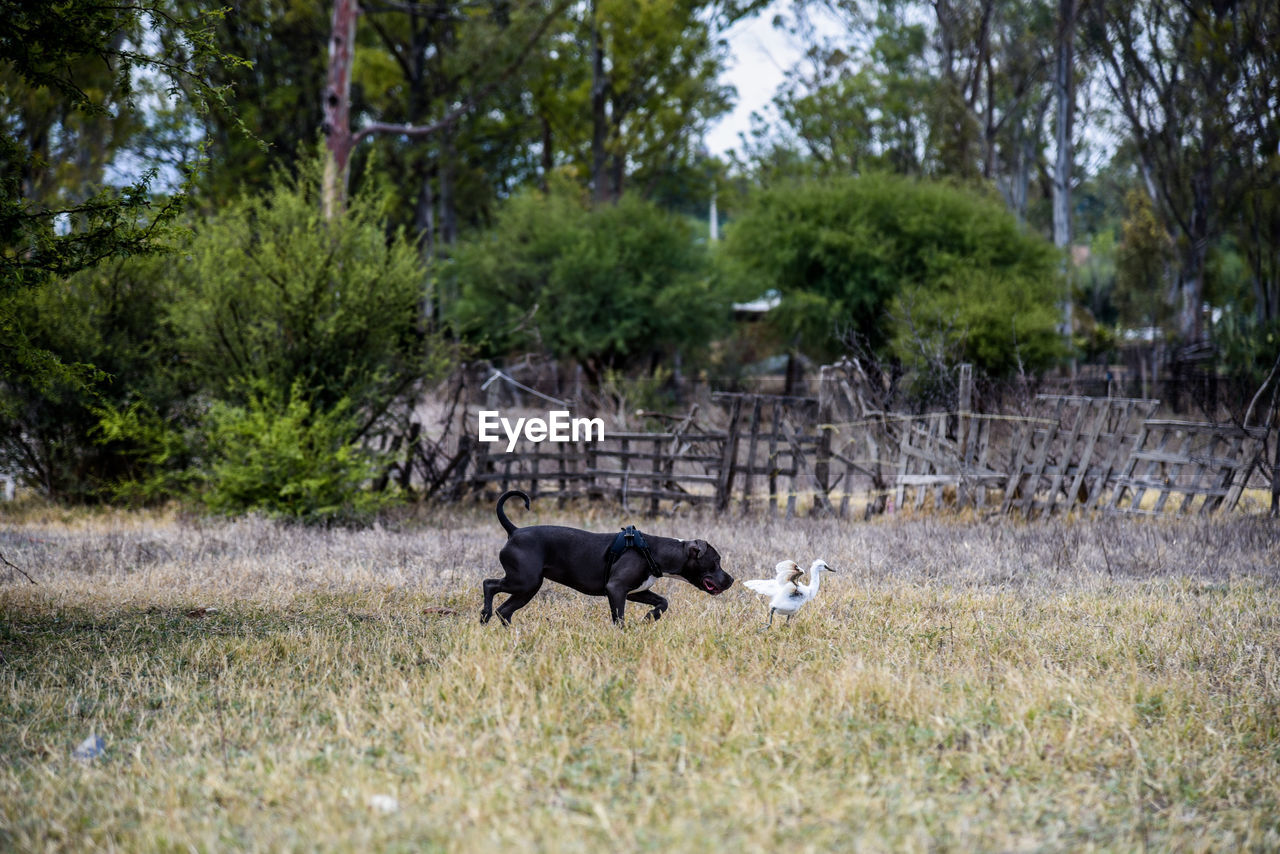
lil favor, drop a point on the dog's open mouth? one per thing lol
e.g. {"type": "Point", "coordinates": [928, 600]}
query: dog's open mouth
{"type": "Point", "coordinates": [710, 586]}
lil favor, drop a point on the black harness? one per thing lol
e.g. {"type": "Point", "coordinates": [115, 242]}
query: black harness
{"type": "Point", "coordinates": [630, 538]}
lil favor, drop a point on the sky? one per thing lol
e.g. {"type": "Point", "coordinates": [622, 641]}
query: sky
{"type": "Point", "coordinates": [760, 56]}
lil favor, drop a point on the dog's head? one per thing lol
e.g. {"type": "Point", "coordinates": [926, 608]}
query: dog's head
{"type": "Point", "coordinates": [702, 567]}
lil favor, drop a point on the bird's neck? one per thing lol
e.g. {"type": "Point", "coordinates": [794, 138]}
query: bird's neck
{"type": "Point", "coordinates": [817, 579]}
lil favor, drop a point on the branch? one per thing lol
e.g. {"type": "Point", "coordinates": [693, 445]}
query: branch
{"type": "Point", "coordinates": [420, 9]}
{"type": "Point", "coordinates": [11, 566]}
{"type": "Point", "coordinates": [468, 105]}
{"type": "Point", "coordinates": [1249, 412]}
{"type": "Point", "coordinates": [392, 48]}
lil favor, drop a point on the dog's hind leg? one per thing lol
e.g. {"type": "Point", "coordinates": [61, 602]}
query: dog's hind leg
{"type": "Point", "coordinates": [513, 581]}
{"type": "Point", "coordinates": [648, 597]}
{"type": "Point", "coordinates": [492, 586]}
{"type": "Point", "coordinates": [517, 600]}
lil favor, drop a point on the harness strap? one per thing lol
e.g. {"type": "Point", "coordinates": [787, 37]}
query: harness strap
{"type": "Point", "coordinates": [630, 538]}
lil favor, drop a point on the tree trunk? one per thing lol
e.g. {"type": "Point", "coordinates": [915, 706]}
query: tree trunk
{"type": "Point", "coordinates": [448, 194]}
{"type": "Point", "coordinates": [1200, 229]}
{"type": "Point", "coordinates": [424, 215]}
{"type": "Point", "coordinates": [599, 121]}
{"type": "Point", "coordinates": [337, 107]}
{"type": "Point", "coordinates": [1064, 95]}
{"type": "Point", "coordinates": [1191, 285]}
{"type": "Point", "coordinates": [548, 154]}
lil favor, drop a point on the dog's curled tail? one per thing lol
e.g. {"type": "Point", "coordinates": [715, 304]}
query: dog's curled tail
{"type": "Point", "coordinates": [502, 517]}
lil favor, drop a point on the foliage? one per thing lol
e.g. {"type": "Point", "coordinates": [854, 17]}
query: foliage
{"type": "Point", "coordinates": [268, 312]}
{"type": "Point", "coordinates": [660, 81]}
{"type": "Point", "coordinates": [902, 262]}
{"type": "Point", "coordinates": [110, 317]}
{"type": "Point", "coordinates": [272, 295]}
{"type": "Point", "coordinates": [276, 90]}
{"type": "Point", "coordinates": [956, 90]}
{"type": "Point", "coordinates": [288, 457]}
{"type": "Point", "coordinates": [158, 455]}
{"type": "Point", "coordinates": [616, 286]}
{"type": "Point", "coordinates": [867, 110]}
{"type": "Point", "coordinates": [414, 65]}
{"type": "Point", "coordinates": [1196, 86]}
{"type": "Point", "coordinates": [1142, 266]}
{"type": "Point", "coordinates": [1002, 321]}
{"type": "Point", "coordinates": [1095, 279]}
{"type": "Point", "coordinates": [1247, 348]}
{"type": "Point", "coordinates": [306, 334]}
{"type": "Point", "coordinates": [73, 74]}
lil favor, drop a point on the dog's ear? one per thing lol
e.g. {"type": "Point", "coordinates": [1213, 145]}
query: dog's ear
{"type": "Point", "coordinates": [696, 548]}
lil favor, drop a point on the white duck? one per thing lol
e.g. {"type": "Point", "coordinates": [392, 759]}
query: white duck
{"type": "Point", "coordinates": [788, 594]}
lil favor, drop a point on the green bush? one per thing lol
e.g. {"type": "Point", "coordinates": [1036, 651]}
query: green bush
{"type": "Point", "coordinates": [611, 288]}
{"type": "Point", "coordinates": [108, 321]}
{"type": "Point", "coordinates": [269, 312]}
{"type": "Point", "coordinates": [272, 295]}
{"type": "Point", "coordinates": [286, 457]}
{"type": "Point", "coordinates": [907, 265]}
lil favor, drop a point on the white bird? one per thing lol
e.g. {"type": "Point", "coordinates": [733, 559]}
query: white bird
{"type": "Point", "coordinates": [788, 595]}
{"type": "Point", "coordinates": [782, 588]}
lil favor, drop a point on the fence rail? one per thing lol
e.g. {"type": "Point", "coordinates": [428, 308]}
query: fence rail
{"type": "Point", "coordinates": [832, 454]}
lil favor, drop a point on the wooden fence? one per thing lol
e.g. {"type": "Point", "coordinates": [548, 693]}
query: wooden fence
{"type": "Point", "coordinates": [1207, 465]}
{"type": "Point", "coordinates": [830, 455]}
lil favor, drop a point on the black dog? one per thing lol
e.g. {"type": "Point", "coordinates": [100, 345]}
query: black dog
{"type": "Point", "coordinates": [577, 559]}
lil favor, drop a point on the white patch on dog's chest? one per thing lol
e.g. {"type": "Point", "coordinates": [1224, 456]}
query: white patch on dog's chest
{"type": "Point", "coordinates": [648, 582]}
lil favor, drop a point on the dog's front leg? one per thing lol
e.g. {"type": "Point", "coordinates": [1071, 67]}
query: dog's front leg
{"type": "Point", "coordinates": [617, 594]}
{"type": "Point", "coordinates": [648, 597]}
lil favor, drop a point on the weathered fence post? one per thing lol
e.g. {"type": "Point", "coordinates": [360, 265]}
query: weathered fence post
{"type": "Point", "coordinates": [822, 461]}
{"type": "Point", "coordinates": [964, 429]}
{"type": "Point", "coordinates": [658, 485]}
{"type": "Point", "coordinates": [626, 472]}
{"type": "Point", "coordinates": [533, 469]}
{"type": "Point", "coordinates": [730, 458]}
{"type": "Point", "coordinates": [563, 482]}
{"type": "Point", "coordinates": [774, 426]}
{"type": "Point", "coordinates": [753, 441]}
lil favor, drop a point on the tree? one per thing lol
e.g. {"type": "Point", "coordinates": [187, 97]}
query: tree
{"type": "Point", "coordinates": [274, 296]}
{"type": "Point", "coordinates": [72, 72]}
{"type": "Point", "coordinates": [899, 261]}
{"type": "Point", "coordinates": [1064, 97]}
{"type": "Point", "coordinates": [274, 96]}
{"type": "Point", "coordinates": [1142, 265]}
{"type": "Point", "coordinates": [1195, 85]}
{"type": "Point", "coordinates": [619, 287]}
{"type": "Point", "coordinates": [654, 85]}
{"type": "Point", "coordinates": [957, 88]}
{"type": "Point", "coordinates": [341, 138]}
{"type": "Point", "coordinates": [112, 317]}
{"type": "Point", "coordinates": [269, 309]}
{"type": "Point", "coordinates": [864, 110]}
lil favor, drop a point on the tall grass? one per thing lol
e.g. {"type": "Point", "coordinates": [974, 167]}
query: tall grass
{"type": "Point", "coordinates": [994, 686]}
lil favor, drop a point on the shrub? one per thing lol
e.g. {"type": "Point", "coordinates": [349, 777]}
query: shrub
{"type": "Point", "coordinates": [272, 295]}
{"type": "Point", "coordinates": [287, 457]}
{"type": "Point", "coordinates": [611, 288]}
{"type": "Point", "coordinates": [894, 259]}
{"type": "Point", "coordinates": [268, 312]}
{"type": "Point", "coordinates": [107, 321]}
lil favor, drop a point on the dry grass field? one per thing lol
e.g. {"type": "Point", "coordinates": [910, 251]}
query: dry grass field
{"type": "Point", "coordinates": [961, 684]}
